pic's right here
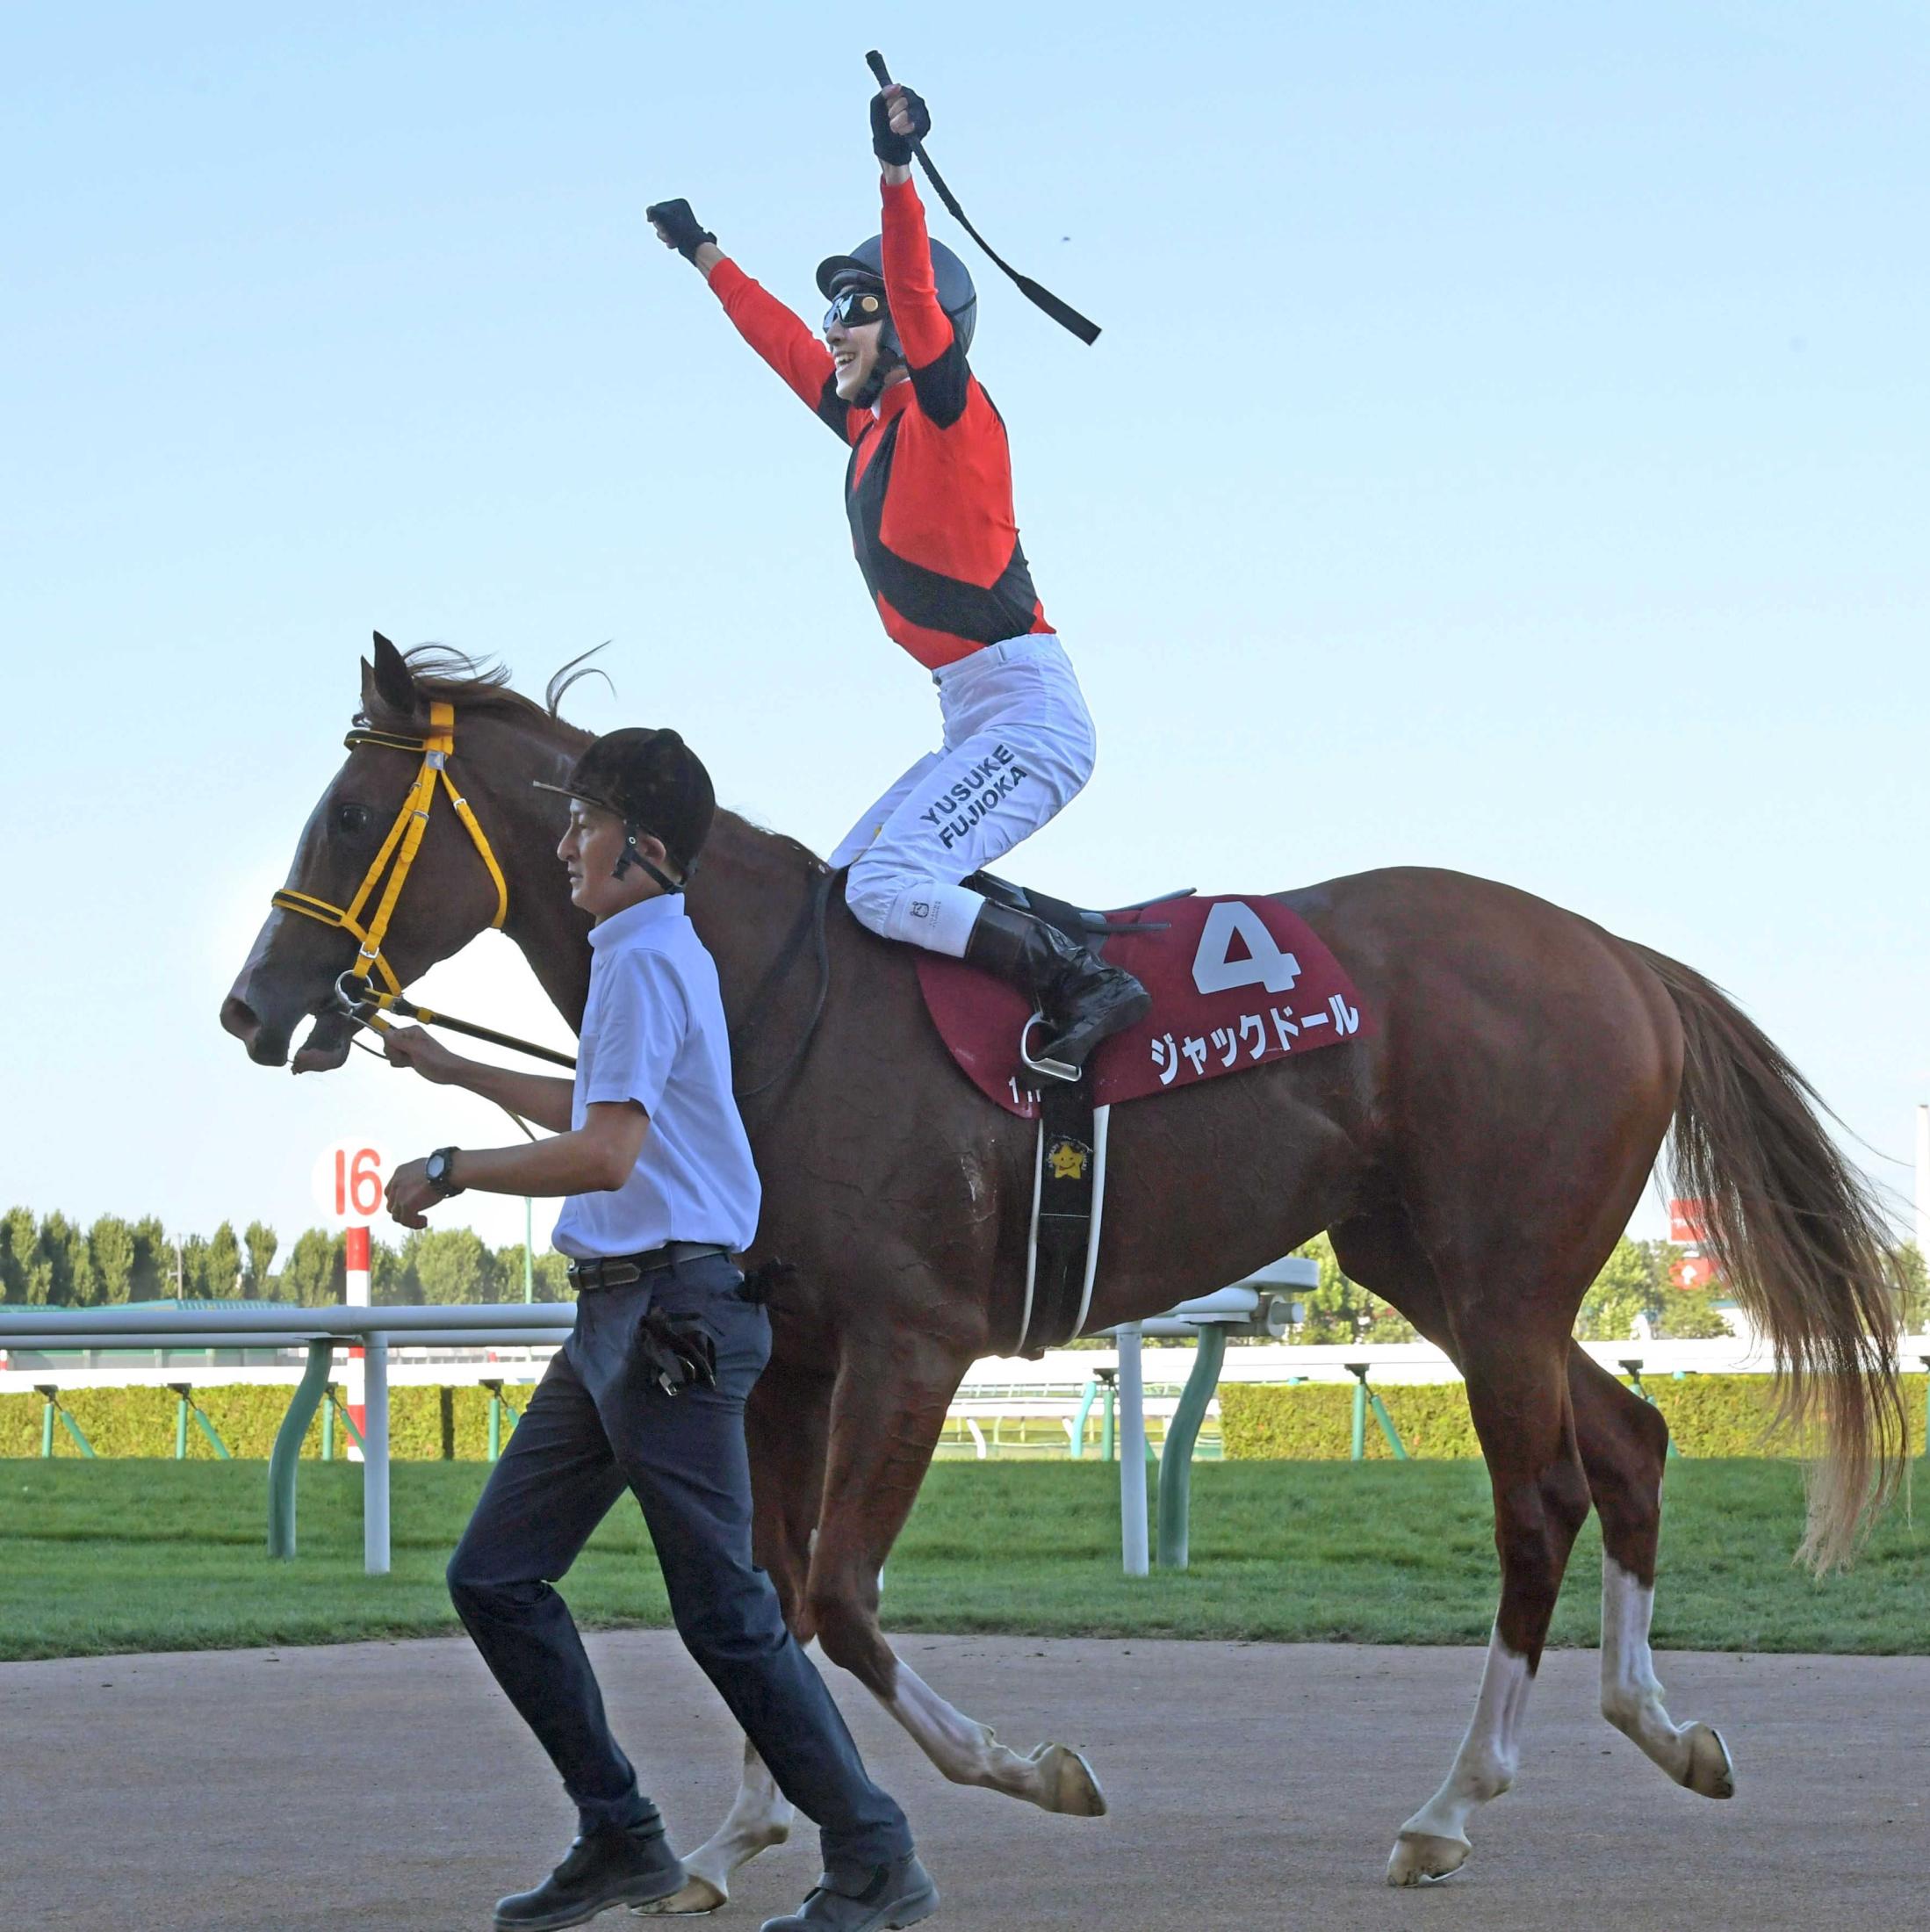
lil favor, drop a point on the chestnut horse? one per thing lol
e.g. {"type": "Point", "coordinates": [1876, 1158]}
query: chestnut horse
{"type": "Point", "coordinates": [1475, 1158]}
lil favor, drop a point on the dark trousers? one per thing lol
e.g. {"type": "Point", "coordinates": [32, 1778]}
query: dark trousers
{"type": "Point", "coordinates": [599, 1423]}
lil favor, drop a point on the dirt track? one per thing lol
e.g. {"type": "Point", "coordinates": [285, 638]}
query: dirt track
{"type": "Point", "coordinates": [388, 1786]}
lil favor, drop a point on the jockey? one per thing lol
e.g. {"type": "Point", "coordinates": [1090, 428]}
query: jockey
{"type": "Point", "coordinates": [928, 491]}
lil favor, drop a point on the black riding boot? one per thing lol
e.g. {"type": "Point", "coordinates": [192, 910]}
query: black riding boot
{"type": "Point", "coordinates": [1082, 998]}
{"type": "Point", "coordinates": [609, 1864]}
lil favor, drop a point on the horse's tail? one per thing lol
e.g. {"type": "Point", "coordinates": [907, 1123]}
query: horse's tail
{"type": "Point", "coordinates": [1798, 1236]}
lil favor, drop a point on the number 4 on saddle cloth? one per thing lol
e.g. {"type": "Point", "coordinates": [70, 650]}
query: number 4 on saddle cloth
{"type": "Point", "coordinates": [1236, 984]}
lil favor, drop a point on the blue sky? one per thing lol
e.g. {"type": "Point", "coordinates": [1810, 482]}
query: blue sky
{"type": "Point", "coordinates": [1505, 450]}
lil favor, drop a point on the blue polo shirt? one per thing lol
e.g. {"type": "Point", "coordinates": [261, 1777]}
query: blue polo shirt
{"type": "Point", "coordinates": [654, 1033]}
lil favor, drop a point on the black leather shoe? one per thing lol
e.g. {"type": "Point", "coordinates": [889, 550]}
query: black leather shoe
{"type": "Point", "coordinates": [1082, 998]}
{"type": "Point", "coordinates": [896, 1894]}
{"type": "Point", "coordinates": [609, 1864]}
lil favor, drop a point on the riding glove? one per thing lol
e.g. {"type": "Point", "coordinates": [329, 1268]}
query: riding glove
{"type": "Point", "coordinates": [679, 227]}
{"type": "Point", "coordinates": [895, 150]}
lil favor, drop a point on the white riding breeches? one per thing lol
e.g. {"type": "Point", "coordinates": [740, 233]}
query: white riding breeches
{"type": "Point", "coordinates": [1019, 746]}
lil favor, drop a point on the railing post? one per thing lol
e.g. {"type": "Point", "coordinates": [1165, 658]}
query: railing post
{"type": "Point", "coordinates": [1132, 1453]}
{"type": "Point", "coordinates": [51, 1391]}
{"type": "Point", "coordinates": [375, 1457]}
{"type": "Point", "coordinates": [181, 1422]}
{"type": "Point", "coordinates": [495, 1418]}
{"type": "Point", "coordinates": [1086, 1400]}
{"type": "Point", "coordinates": [1176, 1457]}
{"type": "Point", "coordinates": [286, 1457]}
{"type": "Point", "coordinates": [1359, 1374]}
{"type": "Point", "coordinates": [1631, 1366]}
{"type": "Point", "coordinates": [1388, 1428]}
{"type": "Point", "coordinates": [328, 1424]}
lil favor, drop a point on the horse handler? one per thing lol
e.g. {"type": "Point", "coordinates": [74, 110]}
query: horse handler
{"type": "Point", "coordinates": [648, 1393]}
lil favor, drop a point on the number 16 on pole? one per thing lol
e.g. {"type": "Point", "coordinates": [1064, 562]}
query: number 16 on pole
{"type": "Point", "coordinates": [348, 1181]}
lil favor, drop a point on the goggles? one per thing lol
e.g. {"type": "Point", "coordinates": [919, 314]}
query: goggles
{"type": "Point", "coordinates": [853, 307]}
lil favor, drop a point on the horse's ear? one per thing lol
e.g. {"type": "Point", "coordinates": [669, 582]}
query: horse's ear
{"type": "Point", "coordinates": [389, 679]}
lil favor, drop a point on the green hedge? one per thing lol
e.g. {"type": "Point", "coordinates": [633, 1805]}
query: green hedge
{"type": "Point", "coordinates": [1313, 1422]}
{"type": "Point", "coordinates": [140, 1422]}
{"type": "Point", "coordinates": [1303, 1422]}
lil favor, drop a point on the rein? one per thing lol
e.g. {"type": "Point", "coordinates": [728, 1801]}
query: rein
{"type": "Point", "coordinates": [812, 925]}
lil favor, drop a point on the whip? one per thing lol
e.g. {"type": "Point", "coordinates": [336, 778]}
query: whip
{"type": "Point", "coordinates": [1061, 313]}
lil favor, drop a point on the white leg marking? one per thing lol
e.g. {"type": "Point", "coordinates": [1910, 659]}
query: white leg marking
{"type": "Point", "coordinates": [760, 1817]}
{"type": "Point", "coordinates": [1433, 1842]}
{"type": "Point", "coordinates": [1631, 1697]}
{"type": "Point", "coordinates": [1055, 1778]}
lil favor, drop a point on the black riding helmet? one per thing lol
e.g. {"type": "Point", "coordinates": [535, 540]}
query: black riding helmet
{"type": "Point", "coordinates": [864, 269]}
{"type": "Point", "coordinates": [657, 785]}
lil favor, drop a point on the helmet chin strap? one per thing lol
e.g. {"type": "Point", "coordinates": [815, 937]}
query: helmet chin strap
{"type": "Point", "coordinates": [890, 360]}
{"type": "Point", "coordinates": [631, 856]}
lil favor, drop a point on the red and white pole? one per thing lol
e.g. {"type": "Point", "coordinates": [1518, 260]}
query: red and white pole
{"type": "Point", "coordinates": [356, 1261]}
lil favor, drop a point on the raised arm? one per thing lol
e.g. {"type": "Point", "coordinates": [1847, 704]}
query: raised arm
{"type": "Point", "coordinates": [939, 378]}
{"type": "Point", "coordinates": [785, 341]}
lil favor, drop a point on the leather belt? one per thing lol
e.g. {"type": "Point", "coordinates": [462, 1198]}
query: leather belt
{"type": "Point", "coordinates": [618, 1270]}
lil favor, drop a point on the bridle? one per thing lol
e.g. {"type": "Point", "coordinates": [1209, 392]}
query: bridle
{"type": "Point", "coordinates": [356, 993]}
{"type": "Point", "coordinates": [395, 859]}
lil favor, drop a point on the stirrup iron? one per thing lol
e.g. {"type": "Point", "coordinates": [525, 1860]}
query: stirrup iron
{"type": "Point", "coordinates": [1047, 1069]}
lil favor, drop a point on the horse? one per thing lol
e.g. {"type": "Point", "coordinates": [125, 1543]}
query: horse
{"type": "Point", "coordinates": [1474, 1157]}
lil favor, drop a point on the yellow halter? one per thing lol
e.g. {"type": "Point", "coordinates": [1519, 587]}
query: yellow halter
{"type": "Point", "coordinates": [404, 840]}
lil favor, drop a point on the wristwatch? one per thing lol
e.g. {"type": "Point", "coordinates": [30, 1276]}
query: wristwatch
{"type": "Point", "coordinates": [439, 1170]}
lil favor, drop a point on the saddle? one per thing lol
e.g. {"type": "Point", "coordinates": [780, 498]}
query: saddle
{"type": "Point", "coordinates": [1236, 984]}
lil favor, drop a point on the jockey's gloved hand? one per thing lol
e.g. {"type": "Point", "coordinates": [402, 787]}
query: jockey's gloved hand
{"type": "Point", "coordinates": [678, 228]}
{"type": "Point", "coordinates": [891, 147]}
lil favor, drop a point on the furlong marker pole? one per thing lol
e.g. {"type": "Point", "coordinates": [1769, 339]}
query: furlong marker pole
{"type": "Point", "coordinates": [1923, 1182]}
{"type": "Point", "coordinates": [355, 1255]}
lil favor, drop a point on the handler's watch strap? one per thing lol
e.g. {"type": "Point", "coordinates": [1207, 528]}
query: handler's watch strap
{"type": "Point", "coordinates": [441, 1171]}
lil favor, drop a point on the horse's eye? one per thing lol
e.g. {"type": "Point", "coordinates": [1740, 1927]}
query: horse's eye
{"type": "Point", "coordinates": [351, 819]}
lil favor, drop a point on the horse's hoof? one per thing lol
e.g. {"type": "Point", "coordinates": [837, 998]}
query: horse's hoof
{"type": "Point", "coordinates": [1066, 1783]}
{"type": "Point", "coordinates": [1421, 1858]}
{"type": "Point", "coordinates": [699, 1896]}
{"type": "Point", "coordinates": [1711, 1772]}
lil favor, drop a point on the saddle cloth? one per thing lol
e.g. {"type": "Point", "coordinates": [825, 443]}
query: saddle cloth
{"type": "Point", "coordinates": [1237, 983]}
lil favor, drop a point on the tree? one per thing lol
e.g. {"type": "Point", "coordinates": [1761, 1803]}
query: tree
{"type": "Point", "coordinates": [1629, 1283]}
{"type": "Point", "coordinates": [1690, 1315]}
{"type": "Point", "coordinates": [154, 1262]}
{"type": "Point", "coordinates": [196, 1285]}
{"type": "Point", "coordinates": [261, 1244]}
{"type": "Point", "coordinates": [453, 1267]}
{"type": "Point", "coordinates": [24, 1269]}
{"type": "Point", "coordinates": [1341, 1310]}
{"type": "Point", "coordinates": [551, 1272]}
{"type": "Point", "coordinates": [71, 1270]}
{"type": "Point", "coordinates": [110, 1245]}
{"type": "Point", "coordinates": [314, 1275]}
{"type": "Point", "coordinates": [391, 1274]}
{"type": "Point", "coordinates": [224, 1264]}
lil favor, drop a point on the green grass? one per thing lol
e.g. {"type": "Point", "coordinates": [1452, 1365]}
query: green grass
{"type": "Point", "coordinates": [135, 1555]}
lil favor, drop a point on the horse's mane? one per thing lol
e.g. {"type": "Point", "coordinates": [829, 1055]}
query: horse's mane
{"type": "Point", "coordinates": [476, 684]}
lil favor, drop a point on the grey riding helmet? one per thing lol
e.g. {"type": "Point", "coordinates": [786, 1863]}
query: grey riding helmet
{"type": "Point", "coordinates": [863, 269]}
